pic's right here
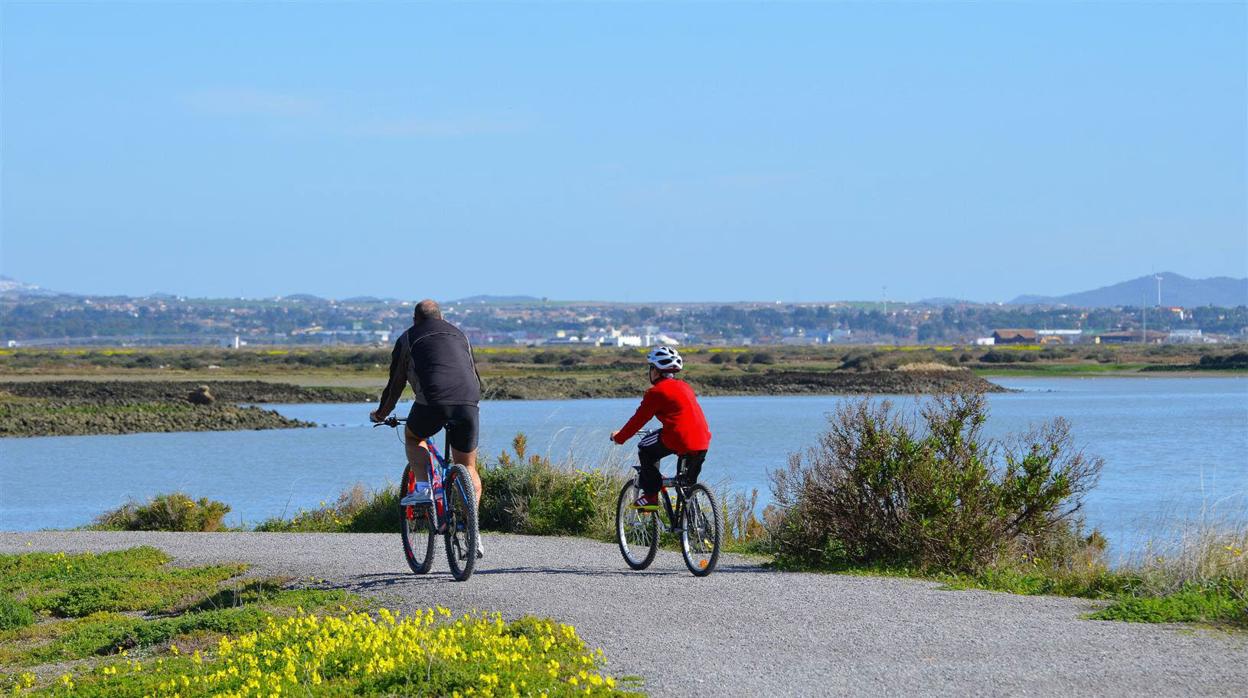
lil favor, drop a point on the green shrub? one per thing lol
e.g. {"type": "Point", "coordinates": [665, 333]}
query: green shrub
{"type": "Point", "coordinates": [880, 490]}
{"type": "Point", "coordinates": [1237, 360]}
{"type": "Point", "coordinates": [526, 493]}
{"type": "Point", "coordinates": [357, 510]}
{"type": "Point", "coordinates": [546, 357]}
{"type": "Point", "coordinates": [14, 614]}
{"type": "Point", "coordinates": [166, 512]}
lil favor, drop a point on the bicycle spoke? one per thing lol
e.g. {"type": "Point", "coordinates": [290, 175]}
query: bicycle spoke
{"type": "Point", "coordinates": [701, 535]}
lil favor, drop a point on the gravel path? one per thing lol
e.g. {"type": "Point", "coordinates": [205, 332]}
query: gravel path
{"type": "Point", "coordinates": [746, 630]}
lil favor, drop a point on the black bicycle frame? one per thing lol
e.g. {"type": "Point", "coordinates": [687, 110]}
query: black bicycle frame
{"type": "Point", "coordinates": [675, 522]}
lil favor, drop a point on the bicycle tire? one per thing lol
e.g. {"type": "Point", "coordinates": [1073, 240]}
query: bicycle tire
{"type": "Point", "coordinates": [642, 525]}
{"type": "Point", "coordinates": [701, 553]}
{"type": "Point", "coordinates": [461, 523]}
{"type": "Point", "coordinates": [416, 528]}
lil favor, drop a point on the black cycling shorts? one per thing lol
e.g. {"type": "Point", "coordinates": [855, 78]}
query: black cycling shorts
{"type": "Point", "coordinates": [461, 423]}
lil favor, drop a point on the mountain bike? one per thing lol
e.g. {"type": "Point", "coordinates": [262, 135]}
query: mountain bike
{"type": "Point", "coordinates": [694, 516]}
{"type": "Point", "coordinates": [445, 503]}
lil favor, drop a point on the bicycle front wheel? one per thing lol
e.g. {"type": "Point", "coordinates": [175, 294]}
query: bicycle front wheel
{"type": "Point", "coordinates": [461, 523]}
{"type": "Point", "coordinates": [701, 530]}
{"type": "Point", "coordinates": [636, 531]}
{"type": "Point", "coordinates": [417, 528]}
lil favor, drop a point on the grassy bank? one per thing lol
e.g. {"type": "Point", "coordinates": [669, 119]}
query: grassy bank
{"type": "Point", "coordinates": [68, 408]}
{"type": "Point", "coordinates": [126, 623]}
{"type": "Point", "coordinates": [35, 417]}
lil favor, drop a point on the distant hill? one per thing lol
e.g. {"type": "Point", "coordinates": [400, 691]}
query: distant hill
{"type": "Point", "coordinates": [12, 288]}
{"type": "Point", "coordinates": [1176, 289]}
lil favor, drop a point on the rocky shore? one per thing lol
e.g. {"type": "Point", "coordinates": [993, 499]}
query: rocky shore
{"type": "Point", "coordinates": [74, 408]}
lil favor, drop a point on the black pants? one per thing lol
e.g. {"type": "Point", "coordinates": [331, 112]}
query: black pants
{"type": "Point", "coordinates": [651, 450]}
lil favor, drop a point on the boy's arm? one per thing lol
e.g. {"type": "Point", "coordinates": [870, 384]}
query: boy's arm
{"type": "Point", "coordinates": [649, 405]}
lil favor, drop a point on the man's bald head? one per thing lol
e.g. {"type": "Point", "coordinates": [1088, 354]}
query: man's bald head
{"type": "Point", "coordinates": [426, 310]}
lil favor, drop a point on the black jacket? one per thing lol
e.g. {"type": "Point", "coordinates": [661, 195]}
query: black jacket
{"type": "Point", "coordinates": [436, 359]}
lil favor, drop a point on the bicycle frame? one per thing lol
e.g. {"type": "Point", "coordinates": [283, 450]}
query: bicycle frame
{"type": "Point", "coordinates": [675, 514]}
{"type": "Point", "coordinates": [443, 467]}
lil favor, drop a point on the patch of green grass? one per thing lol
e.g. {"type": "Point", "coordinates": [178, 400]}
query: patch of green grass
{"type": "Point", "coordinates": [1219, 604]}
{"type": "Point", "coordinates": [14, 614]}
{"type": "Point", "coordinates": [88, 596]}
{"type": "Point", "coordinates": [257, 636]}
{"type": "Point", "coordinates": [1094, 583]}
{"type": "Point", "coordinates": [110, 633]}
{"type": "Point", "coordinates": [272, 594]}
{"type": "Point", "coordinates": [1132, 595]}
{"type": "Point", "coordinates": [77, 585]}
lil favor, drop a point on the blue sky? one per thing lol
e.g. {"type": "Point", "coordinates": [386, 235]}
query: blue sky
{"type": "Point", "coordinates": [620, 151]}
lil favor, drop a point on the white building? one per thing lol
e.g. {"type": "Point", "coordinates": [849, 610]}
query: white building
{"type": "Point", "coordinates": [1185, 337]}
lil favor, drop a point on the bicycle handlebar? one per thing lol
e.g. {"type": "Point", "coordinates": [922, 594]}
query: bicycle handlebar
{"type": "Point", "coordinates": [390, 421]}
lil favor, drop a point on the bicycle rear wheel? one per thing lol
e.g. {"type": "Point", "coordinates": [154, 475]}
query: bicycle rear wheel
{"type": "Point", "coordinates": [701, 530]}
{"type": "Point", "coordinates": [416, 525]}
{"type": "Point", "coordinates": [636, 531]}
{"type": "Point", "coordinates": [461, 523]}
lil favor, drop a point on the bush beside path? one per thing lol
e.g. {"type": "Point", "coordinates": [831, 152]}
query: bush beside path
{"type": "Point", "coordinates": [745, 629]}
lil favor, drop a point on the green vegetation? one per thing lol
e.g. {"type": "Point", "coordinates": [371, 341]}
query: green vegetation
{"type": "Point", "coordinates": [166, 512]}
{"type": "Point", "coordinates": [878, 495]}
{"type": "Point", "coordinates": [357, 510]}
{"type": "Point", "coordinates": [527, 493]}
{"type": "Point", "coordinates": [14, 614]}
{"type": "Point", "coordinates": [877, 490]}
{"type": "Point", "coordinates": [25, 416]}
{"type": "Point", "coordinates": [197, 638]}
{"type": "Point", "coordinates": [70, 586]}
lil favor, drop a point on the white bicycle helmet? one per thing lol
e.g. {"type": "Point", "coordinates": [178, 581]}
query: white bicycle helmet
{"type": "Point", "coordinates": [665, 359]}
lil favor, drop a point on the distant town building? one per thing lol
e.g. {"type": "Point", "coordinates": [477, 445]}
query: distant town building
{"type": "Point", "coordinates": [1186, 337]}
{"type": "Point", "coordinates": [1131, 336]}
{"type": "Point", "coordinates": [1059, 336]}
{"type": "Point", "coordinates": [985, 341]}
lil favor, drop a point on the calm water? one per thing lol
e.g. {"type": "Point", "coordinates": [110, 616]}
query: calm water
{"type": "Point", "coordinates": [1172, 447]}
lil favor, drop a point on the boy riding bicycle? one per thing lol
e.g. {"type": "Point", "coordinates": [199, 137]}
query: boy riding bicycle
{"type": "Point", "coordinates": [684, 430]}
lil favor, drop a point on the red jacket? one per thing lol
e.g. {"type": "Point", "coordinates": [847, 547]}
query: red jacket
{"type": "Point", "coordinates": [675, 405]}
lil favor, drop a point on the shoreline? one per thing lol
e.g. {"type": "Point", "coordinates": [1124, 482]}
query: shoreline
{"type": "Point", "coordinates": [33, 408]}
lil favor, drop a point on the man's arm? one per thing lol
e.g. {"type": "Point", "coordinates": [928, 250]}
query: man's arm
{"type": "Point", "coordinates": [649, 405]}
{"type": "Point", "coordinates": [394, 389]}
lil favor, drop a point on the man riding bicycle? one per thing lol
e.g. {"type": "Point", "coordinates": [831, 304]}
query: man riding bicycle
{"type": "Point", "coordinates": [436, 359]}
{"type": "Point", "coordinates": [684, 431]}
